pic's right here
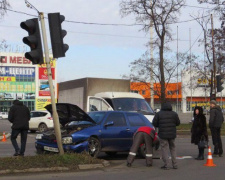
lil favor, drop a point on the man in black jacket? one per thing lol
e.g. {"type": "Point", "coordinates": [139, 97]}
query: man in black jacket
{"type": "Point", "coordinates": [19, 116]}
{"type": "Point", "coordinates": [166, 121]}
{"type": "Point", "coordinates": [215, 122]}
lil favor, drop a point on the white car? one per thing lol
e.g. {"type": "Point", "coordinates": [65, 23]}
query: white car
{"type": "Point", "coordinates": [41, 121]}
{"type": "Point", "coordinates": [3, 115]}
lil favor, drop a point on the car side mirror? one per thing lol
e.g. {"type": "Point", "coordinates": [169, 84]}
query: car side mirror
{"type": "Point", "coordinates": [111, 123]}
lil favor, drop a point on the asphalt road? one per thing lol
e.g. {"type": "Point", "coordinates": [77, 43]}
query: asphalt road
{"type": "Point", "coordinates": [189, 168]}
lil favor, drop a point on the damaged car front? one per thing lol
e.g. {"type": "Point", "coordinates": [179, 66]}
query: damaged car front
{"type": "Point", "coordinates": [76, 128]}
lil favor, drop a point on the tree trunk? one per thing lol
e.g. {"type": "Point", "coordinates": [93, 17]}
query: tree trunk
{"type": "Point", "coordinates": [161, 67]}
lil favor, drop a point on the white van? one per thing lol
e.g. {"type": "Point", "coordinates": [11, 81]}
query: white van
{"type": "Point", "coordinates": [120, 101]}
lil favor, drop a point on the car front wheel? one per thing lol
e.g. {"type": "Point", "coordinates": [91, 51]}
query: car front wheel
{"type": "Point", "coordinates": [94, 146]}
{"type": "Point", "coordinates": [42, 127]}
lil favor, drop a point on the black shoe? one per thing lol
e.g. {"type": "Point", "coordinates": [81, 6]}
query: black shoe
{"type": "Point", "coordinates": [128, 164]}
{"type": "Point", "coordinates": [200, 158]}
{"type": "Point", "coordinates": [175, 167]}
{"type": "Point", "coordinates": [215, 155]}
{"type": "Point", "coordinates": [165, 168]}
{"type": "Point", "coordinates": [148, 165]}
{"type": "Point", "coordinates": [220, 155]}
{"type": "Point", "coordinates": [22, 155]}
{"type": "Point", "coordinates": [16, 154]}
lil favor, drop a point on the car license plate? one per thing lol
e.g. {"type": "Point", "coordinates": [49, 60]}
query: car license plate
{"type": "Point", "coordinates": [51, 149]}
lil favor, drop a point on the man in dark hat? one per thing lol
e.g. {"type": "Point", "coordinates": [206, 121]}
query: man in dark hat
{"type": "Point", "coordinates": [215, 122]}
{"type": "Point", "coordinates": [19, 116]}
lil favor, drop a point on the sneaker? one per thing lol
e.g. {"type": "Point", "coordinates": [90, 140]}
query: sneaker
{"type": "Point", "coordinates": [128, 164]}
{"type": "Point", "coordinates": [165, 168]}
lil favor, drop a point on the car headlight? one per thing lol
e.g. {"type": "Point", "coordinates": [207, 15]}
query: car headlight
{"type": "Point", "coordinates": [39, 136]}
{"type": "Point", "coordinates": [67, 140]}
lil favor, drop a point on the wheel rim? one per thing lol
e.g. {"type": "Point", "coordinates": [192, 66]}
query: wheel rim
{"type": "Point", "coordinates": [42, 128]}
{"type": "Point", "coordinates": [93, 147]}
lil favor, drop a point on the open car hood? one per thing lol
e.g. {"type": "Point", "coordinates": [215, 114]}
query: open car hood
{"type": "Point", "coordinates": [69, 112]}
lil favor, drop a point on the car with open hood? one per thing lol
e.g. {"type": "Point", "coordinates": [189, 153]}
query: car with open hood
{"type": "Point", "coordinates": [100, 131]}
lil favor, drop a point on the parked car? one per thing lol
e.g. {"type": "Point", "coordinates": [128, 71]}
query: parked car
{"type": "Point", "coordinates": [41, 121]}
{"type": "Point", "coordinates": [3, 115]}
{"type": "Point", "coordinates": [99, 131]}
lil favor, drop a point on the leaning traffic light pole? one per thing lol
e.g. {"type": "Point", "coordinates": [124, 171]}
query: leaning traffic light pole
{"type": "Point", "coordinates": [54, 111]}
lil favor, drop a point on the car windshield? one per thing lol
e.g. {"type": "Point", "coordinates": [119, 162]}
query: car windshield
{"type": "Point", "coordinates": [97, 116]}
{"type": "Point", "coordinates": [132, 104]}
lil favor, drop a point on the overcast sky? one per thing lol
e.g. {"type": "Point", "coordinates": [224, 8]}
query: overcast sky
{"type": "Point", "coordinates": [94, 50]}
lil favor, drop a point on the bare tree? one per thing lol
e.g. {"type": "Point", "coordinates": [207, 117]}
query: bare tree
{"type": "Point", "coordinates": [4, 5]}
{"type": "Point", "coordinates": [161, 13]}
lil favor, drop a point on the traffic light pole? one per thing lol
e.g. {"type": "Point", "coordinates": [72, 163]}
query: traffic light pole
{"type": "Point", "coordinates": [54, 111]}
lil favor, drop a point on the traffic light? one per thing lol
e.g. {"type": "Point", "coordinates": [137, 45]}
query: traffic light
{"type": "Point", "coordinates": [33, 40]}
{"type": "Point", "coordinates": [57, 34]}
{"type": "Point", "coordinates": [219, 82]}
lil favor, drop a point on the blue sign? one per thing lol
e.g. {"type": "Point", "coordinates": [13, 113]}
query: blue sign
{"type": "Point", "coordinates": [17, 71]}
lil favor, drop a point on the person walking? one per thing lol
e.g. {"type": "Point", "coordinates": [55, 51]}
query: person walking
{"type": "Point", "coordinates": [144, 135]}
{"type": "Point", "coordinates": [199, 130]}
{"type": "Point", "coordinates": [19, 116]}
{"type": "Point", "coordinates": [166, 121]}
{"type": "Point", "coordinates": [215, 122]}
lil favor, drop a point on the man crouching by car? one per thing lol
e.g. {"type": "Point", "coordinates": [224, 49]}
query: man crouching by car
{"type": "Point", "coordinates": [144, 135]}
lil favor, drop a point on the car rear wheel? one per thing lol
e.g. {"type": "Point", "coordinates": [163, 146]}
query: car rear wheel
{"type": "Point", "coordinates": [94, 146]}
{"type": "Point", "coordinates": [42, 127]}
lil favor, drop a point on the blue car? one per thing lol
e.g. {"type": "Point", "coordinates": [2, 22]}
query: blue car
{"type": "Point", "coordinates": [100, 131]}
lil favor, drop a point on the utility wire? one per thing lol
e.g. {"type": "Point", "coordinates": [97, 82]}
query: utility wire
{"type": "Point", "coordinates": [105, 24]}
{"type": "Point", "coordinates": [195, 41]}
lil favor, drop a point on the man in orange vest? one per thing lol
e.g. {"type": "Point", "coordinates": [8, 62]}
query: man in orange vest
{"type": "Point", "coordinates": [144, 135]}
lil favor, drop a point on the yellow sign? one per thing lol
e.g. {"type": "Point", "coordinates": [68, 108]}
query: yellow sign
{"type": "Point", "coordinates": [41, 103]}
{"type": "Point", "coordinates": [52, 63]}
{"type": "Point", "coordinates": [12, 79]}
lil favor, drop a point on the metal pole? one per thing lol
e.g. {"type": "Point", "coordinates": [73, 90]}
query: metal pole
{"type": "Point", "coordinates": [190, 71]}
{"type": "Point", "coordinates": [214, 61]}
{"type": "Point", "coordinates": [151, 63]}
{"type": "Point", "coordinates": [54, 111]}
{"type": "Point", "coordinates": [177, 73]}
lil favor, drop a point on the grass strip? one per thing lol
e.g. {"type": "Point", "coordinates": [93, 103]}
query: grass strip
{"type": "Point", "coordinates": [70, 161]}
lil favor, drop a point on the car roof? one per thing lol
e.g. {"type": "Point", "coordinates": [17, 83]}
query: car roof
{"type": "Point", "coordinates": [112, 95]}
{"type": "Point", "coordinates": [41, 111]}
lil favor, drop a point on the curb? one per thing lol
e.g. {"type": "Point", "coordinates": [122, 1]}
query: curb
{"type": "Point", "coordinates": [80, 167]}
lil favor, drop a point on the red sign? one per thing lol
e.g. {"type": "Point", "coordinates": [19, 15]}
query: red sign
{"type": "Point", "coordinates": [44, 93]}
{"type": "Point", "coordinates": [44, 75]}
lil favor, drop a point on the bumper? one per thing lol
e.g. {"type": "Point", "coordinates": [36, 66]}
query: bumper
{"type": "Point", "coordinates": [78, 148]}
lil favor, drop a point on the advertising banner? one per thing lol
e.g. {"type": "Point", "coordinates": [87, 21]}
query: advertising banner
{"type": "Point", "coordinates": [41, 103]}
{"type": "Point", "coordinates": [44, 89]}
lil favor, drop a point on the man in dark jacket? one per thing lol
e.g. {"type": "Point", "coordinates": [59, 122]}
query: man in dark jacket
{"type": "Point", "coordinates": [19, 116]}
{"type": "Point", "coordinates": [215, 122]}
{"type": "Point", "coordinates": [166, 121]}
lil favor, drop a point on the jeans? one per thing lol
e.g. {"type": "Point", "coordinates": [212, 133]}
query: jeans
{"type": "Point", "coordinates": [23, 134]}
{"type": "Point", "coordinates": [217, 142]}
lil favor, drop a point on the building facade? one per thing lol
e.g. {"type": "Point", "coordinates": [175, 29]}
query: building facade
{"type": "Point", "coordinates": [173, 93]}
{"type": "Point", "coordinates": [20, 79]}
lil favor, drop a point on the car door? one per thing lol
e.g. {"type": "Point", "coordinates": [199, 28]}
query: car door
{"type": "Point", "coordinates": [97, 104]}
{"type": "Point", "coordinates": [135, 121]}
{"type": "Point", "coordinates": [34, 121]}
{"type": "Point", "coordinates": [115, 132]}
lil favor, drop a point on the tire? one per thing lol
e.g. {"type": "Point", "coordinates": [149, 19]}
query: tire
{"type": "Point", "coordinates": [94, 146]}
{"type": "Point", "coordinates": [33, 131]}
{"type": "Point", "coordinates": [111, 153]}
{"type": "Point", "coordinates": [42, 127]}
